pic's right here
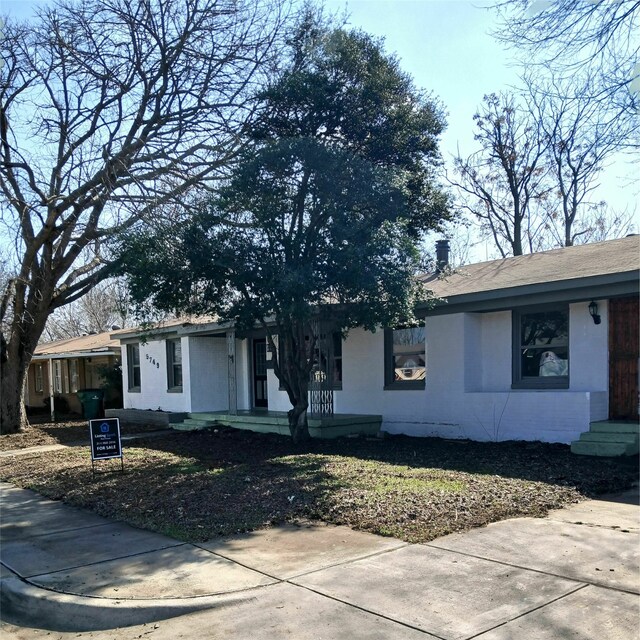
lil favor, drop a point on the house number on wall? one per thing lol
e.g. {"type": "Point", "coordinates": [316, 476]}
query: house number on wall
{"type": "Point", "coordinates": [153, 361]}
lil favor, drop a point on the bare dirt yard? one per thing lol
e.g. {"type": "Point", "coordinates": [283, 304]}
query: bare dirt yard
{"type": "Point", "coordinates": [198, 485]}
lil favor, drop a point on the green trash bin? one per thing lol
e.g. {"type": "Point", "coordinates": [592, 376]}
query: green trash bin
{"type": "Point", "coordinates": [92, 403]}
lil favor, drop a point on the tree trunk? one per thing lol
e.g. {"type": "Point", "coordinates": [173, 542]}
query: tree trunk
{"type": "Point", "coordinates": [517, 234]}
{"type": "Point", "coordinates": [298, 425]}
{"type": "Point", "coordinates": [13, 416]}
{"type": "Point", "coordinates": [26, 329]}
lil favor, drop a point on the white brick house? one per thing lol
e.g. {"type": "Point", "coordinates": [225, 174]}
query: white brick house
{"type": "Point", "coordinates": [473, 369]}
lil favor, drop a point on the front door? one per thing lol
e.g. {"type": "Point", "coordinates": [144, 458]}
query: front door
{"type": "Point", "coordinates": [623, 358]}
{"type": "Point", "coordinates": [260, 373]}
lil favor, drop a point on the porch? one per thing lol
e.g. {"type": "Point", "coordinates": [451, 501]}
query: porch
{"type": "Point", "coordinates": [333, 426]}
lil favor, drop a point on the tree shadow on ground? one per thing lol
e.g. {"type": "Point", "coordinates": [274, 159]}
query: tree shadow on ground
{"type": "Point", "coordinates": [195, 486]}
{"type": "Point", "coordinates": [530, 461]}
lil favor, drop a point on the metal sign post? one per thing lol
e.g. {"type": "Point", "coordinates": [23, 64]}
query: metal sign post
{"type": "Point", "coordinates": [105, 441]}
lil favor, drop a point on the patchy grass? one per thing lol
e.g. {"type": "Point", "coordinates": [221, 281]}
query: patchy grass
{"type": "Point", "coordinates": [195, 486]}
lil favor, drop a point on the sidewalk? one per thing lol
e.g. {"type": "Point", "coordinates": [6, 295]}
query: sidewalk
{"type": "Point", "coordinates": [575, 574]}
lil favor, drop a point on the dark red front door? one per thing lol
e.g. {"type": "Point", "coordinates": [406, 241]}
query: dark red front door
{"type": "Point", "coordinates": [623, 358]}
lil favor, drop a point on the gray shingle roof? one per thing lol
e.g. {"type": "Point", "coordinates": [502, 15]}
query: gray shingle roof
{"type": "Point", "coordinates": [600, 270]}
{"type": "Point", "coordinates": [94, 343]}
{"type": "Point", "coordinates": [568, 265]}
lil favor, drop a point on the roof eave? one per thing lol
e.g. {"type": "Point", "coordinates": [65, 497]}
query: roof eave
{"type": "Point", "coordinates": [115, 351]}
{"type": "Point", "coordinates": [575, 290]}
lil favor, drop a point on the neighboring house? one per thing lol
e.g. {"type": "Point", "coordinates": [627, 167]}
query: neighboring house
{"type": "Point", "coordinates": [68, 366]}
{"type": "Point", "coordinates": [534, 347]}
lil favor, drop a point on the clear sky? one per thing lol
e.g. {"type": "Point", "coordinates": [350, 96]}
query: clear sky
{"type": "Point", "coordinates": [447, 47]}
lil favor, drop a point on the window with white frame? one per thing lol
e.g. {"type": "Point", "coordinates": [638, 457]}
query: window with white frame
{"type": "Point", "coordinates": [73, 375]}
{"type": "Point", "coordinates": [133, 367]}
{"type": "Point", "coordinates": [38, 382]}
{"type": "Point", "coordinates": [65, 376]}
{"type": "Point", "coordinates": [174, 365]}
{"type": "Point", "coordinates": [57, 376]}
{"type": "Point", "coordinates": [541, 347]}
{"type": "Point", "coordinates": [405, 350]}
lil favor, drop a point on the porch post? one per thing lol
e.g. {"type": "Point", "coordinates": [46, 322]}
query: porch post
{"type": "Point", "coordinates": [51, 402]}
{"type": "Point", "coordinates": [233, 387]}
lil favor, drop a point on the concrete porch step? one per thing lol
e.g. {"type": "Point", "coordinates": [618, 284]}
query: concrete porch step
{"type": "Point", "coordinates": [334, 426]}
{"type": "Point", "coordinates": [193, 424]}
{"type": "Point", "coordinates": [605, 436]}
{"type": "Point", "coordinates": [607, 426]}
{"type": "Point", "coordinates": [609, 438]}
{"type": "Point", "coordinates": [610, 449]}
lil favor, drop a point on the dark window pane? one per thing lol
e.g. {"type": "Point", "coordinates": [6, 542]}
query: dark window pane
{"type": "Point", "coordinates": [409, 367]}
{"type": "Point", "coordinates": [544, 344]}
{"type": "Point", "coordinates": [337, 371]}
{"type": "Point", "coordinates": [133, 366]}
{"type": "Point", "coordinates": [337, 344]}
{"type": "Point", "coordinates": [404, 339]}
{"type": "Point", "coordinates": [408, 356]}
{"type": "Point", "coordinates": [260, 361]}
{"type": "Point", "coordinates": [174, 363]}
{"type": "Point", "coordinates": [545, 362]}
{"type": "Point", "coordinates": [544, 329]}
{"type": "Point", "coordinates": [177, 352]}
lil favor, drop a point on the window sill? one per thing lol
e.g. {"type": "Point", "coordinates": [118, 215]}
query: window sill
{"type": "Point", "coordinates": [404, 386]}
{"type": "Point", "coordinates": [134, 390]}
{"type": "Point", "coordinates": [541, 386]}
{"type": "Point", "coordinates": [174, 390]}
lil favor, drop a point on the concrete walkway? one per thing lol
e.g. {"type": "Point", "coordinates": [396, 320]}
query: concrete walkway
{"type": "Point", "coordinates": [67, 573]}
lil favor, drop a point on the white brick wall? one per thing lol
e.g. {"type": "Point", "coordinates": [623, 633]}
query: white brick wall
{"type": "Point", "coordinates": [209, 373]}
{"type": "Point", "coordinates": [589, 361]}
{"type": "Point", "coordinates": [153, 379]}
{"type": "Point", "coordinates": [468, 389]}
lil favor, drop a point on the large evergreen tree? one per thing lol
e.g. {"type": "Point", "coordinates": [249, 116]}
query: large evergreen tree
{"type": "Point", "coordinates": [328, 203]}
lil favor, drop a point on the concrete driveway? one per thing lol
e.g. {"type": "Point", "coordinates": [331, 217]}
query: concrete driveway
{"type": "Point", "coordinates": [70, 574]}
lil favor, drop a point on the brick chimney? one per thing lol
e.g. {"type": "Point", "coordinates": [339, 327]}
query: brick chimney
{"type": "Point", "coordinates": [442, 255]}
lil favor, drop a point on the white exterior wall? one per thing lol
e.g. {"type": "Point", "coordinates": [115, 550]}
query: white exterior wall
{"type": "Point", "coordinates": [278, 400]}
{"type": "Point", "coordinates": [468, 388]}
{"type": "Point", "coordinates": [208, 371]}
{"type": "Point", "coordinates": [153, 392]}
{"type": "Point", "coordinates": [204, 373]}
{"type": "Point", "coordinates": [589, 360]}
{"type": "Point", "coordinates": [469, 373]}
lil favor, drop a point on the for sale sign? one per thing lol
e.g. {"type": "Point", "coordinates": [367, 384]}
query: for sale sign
{"type": "Point", "coordinates": [105, 438]}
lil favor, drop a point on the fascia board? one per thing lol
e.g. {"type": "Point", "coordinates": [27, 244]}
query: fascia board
{"type": "Point", "coordinates": [575, 290]}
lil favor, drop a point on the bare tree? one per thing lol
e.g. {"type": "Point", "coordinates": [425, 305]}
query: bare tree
{"type": "Point", "coordinates": [100, 309]}
{"type": "Point", "coordinates": [580, 138]}
{"type": "Point", "coordinates": [600, 222]}
{"type": "Point", "coordinates": [110, 109]}
{"type": "Point", "coordinates": [503, 183]}
{"type": "Point", "coordinates": [571, 35]}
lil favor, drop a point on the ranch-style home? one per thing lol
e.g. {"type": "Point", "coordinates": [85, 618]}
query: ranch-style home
{"type": "Point", "coordinates": [535, 347]}
{"type": "Point", "coordinates": [63, 367]}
